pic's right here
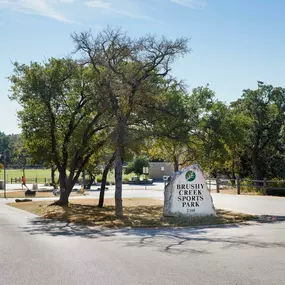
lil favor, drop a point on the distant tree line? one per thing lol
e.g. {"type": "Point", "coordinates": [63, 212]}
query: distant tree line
{"type": "Point", "coordinates": [245, 137]}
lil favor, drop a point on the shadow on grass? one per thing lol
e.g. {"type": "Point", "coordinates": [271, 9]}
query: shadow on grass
{"type": "Point", "coordinates": [135, 216]}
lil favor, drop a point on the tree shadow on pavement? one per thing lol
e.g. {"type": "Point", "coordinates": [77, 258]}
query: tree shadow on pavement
{"type": "Point", "coordinates": [202, 240]}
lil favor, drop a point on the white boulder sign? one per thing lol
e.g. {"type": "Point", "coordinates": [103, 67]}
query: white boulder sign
{"type": "Point", "coordinates": [187, 194]}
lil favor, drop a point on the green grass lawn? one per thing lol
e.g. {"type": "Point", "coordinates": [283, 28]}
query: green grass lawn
{"type": "Point", "coordinates": [30, 174]}
{"type": "Point", "coordinates": [41, 174]}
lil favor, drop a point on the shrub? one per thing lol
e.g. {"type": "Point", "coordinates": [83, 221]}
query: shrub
{"type": "Point", "coordinates": [275, 192]}
{"type": "Point", "coordinates": [274, 188]}
{"type": "Point", "coordinates": [126, 177]}
{"type": "Point", "coordinates": [247, 187]}
{"type": "Point", "coordinates": [137, 166]}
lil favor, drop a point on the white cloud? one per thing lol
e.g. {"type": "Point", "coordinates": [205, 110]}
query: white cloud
{"type": "Point", "coordinates": [99, 4]}
{"type": "Point", "coordinates": [45, 8]}
{"type": "Point", "coordinates": [134, 9]}
{"type": "Point", "coordinates": [193, 4]}
{"type": "Point", "coordinates": [128, 8]}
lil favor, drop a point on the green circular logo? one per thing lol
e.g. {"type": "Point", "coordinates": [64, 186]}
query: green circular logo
{"type": "Point", "coordinates": [190, 176]}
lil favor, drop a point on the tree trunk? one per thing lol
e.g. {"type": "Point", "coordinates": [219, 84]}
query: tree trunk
{"type": "Point", "coordinates": [176, 166]}
{"type": "Point", "coordinates": [256, 167]}
{"type": "Point", "coordinates": [91, 180]}
{"type": "Point", "coordinates": [104, 180]}
{"type": "Point", "coordinates": [65, 189]}
{"type": "Point", "coordinates": [227, 173]}
{"type": "Point", "coordinates": [119, 182]}
{"type": "Point", "coordinates": [233, 168]}
{"type": "Point", "coordinates": [53, 169]}
{"type": "Point", "coordinates": [233, 172]}
{"type": "Point", "coordinates": [121, 128]}
{"type": "Point", "coordinates": [103, 186]}
{"type": "Point", "coordinates": [256, 170]}
{"type": "Point", "coordinates": [64, 198]}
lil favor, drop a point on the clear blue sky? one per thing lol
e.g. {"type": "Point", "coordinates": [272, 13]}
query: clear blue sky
{"type": "Point", "coordinates": [234, 42]}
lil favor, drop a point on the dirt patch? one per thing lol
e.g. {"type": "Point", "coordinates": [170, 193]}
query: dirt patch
{"type": "Point", "coordinates": [138, 213]}
{"type": "Point", "coordinates": [128, 202]}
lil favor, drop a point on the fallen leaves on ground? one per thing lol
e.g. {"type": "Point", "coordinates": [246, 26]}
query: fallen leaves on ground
{"type": "Point", "coordinates": [137, 213]}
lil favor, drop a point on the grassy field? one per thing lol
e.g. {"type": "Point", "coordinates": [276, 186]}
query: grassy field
{"type": "Point", "coordinates": [30, 174]}
{"type": "Point", "coordinates": [41, 174]}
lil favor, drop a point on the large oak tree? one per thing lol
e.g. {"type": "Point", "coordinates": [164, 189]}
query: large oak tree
{"type": "Point", "coordinates": [64, 116]}
{"type": "Point", "coordinates": [133, 73]}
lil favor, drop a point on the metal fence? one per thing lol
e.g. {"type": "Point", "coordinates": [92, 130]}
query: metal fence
{"type": "Point", "coordinates": [261, 186]}
{"type": "Point", "coordinates": [44, 180]}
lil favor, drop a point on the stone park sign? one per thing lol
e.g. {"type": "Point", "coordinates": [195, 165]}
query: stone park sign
{"type": "Point", "coordinates": [187, 194]}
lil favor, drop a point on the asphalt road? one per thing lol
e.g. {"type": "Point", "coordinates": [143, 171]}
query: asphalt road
{"type": "Point", "coordinates": [256, 205]}
{"type": "Point", "coordinates": [34, 251]}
